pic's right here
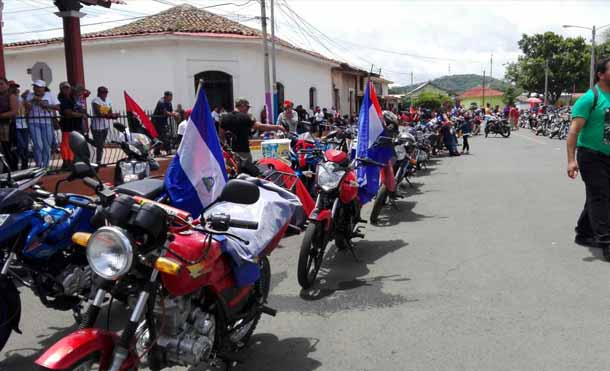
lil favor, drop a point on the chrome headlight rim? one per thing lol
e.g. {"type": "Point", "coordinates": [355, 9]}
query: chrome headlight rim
{"type": "Point", "coordinates": [127, 251]}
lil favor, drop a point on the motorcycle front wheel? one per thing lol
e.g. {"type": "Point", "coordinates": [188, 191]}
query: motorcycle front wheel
{"type": "Point", "coordinates": [505, 132]}
{"type": "Point", "coordinates": [380, 201]}
{"type": "Point", "coordinates": [10, 311]}
{"type": "Point", "coordinates": [311, 255]}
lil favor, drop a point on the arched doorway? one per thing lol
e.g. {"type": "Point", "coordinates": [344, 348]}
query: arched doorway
{"type": "Point", "coordinates": [218, 88]}
{"type": "Point", "coordinates": [280, 97]}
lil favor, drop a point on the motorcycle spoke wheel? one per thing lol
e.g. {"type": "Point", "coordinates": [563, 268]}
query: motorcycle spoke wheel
{"type": "Point", "coordinates": [311, 255]}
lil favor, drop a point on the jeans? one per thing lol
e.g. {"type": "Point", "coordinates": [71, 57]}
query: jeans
{"type": "Point", "coordinates": [594, 220]}
{"type": "Point", "coordinates": [42, 138]}
{"type": "Point", "coordinates": [99, 138]}
{"type": "Point", "coordinates": [23, 139]}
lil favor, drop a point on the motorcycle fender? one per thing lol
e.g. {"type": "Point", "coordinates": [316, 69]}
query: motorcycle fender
{"type": "Point", "coordinates": [11, 294]}
{"type": "Point", "coordinates": [77, 346]}
{"type": "Point", "coordinates": [321, 216]}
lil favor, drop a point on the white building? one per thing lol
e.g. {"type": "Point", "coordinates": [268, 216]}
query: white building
{"type": "Point", "coordinates": [172, 50]}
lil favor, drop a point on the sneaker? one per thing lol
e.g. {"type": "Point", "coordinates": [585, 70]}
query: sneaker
{"type": "Point", "coordinates": [584, 241]}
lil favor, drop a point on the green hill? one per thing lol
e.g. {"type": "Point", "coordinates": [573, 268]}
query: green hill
{"type": "Point", "coordinates": [456, 83]}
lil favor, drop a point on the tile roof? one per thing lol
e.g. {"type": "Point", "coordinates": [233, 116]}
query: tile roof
{"type": "Point", "coordinates": [183, 19]}
{"type": "Point", "coordinates": [478, 92]}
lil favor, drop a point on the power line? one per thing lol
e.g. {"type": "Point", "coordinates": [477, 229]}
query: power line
{"type": "Point", "coordinates": [28, 10]}
{"type": "Point", "coordinates": [61, 28]}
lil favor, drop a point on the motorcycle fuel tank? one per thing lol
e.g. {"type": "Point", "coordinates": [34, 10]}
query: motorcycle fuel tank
{"type": "Point", "coordinates": [206, 265]}
{"type": "Point", "coordinates": [348, 190]}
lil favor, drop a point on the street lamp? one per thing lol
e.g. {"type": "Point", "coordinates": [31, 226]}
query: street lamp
{"type": "Point", "coordinates": [592, 29]}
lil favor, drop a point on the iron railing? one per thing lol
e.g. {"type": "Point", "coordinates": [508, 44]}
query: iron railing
{"type": "Point", "coordinates": [112, 152]}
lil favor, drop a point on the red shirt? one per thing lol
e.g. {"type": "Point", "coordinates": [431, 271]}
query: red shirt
{"type": "Point", "coordinates": [514, 113]}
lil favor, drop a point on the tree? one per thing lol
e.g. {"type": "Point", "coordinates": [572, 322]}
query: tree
{"type": "Point", "coordinates": [568, 61]}
{"type": "Point", "coordinates": [510, 94]}
{"type": "Point", "coordinates": [431, 100]}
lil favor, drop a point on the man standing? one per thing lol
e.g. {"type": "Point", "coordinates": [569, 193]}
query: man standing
{"type": "Point", "coordinates": [240, 123]}
{"type": "Point", "coordinates": [100, 123]}
{"type": "Point", "coordinates": [163, 111]}
{"type": "Point", "coordinates": [41, 106]}
{"type": "Point", "coordinates": [590, 133]}
{"type": "Point", "coordinates": [288, 118]}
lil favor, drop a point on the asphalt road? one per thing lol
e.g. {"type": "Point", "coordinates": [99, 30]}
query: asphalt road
{"type": "Point", "coordinates": [477, 270]}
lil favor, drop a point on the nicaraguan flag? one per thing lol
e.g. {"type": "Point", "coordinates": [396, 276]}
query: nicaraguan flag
{"type": "Point", "coordinates": [197, 174]}
{"type": "Point", "coordinates": [370, 127]}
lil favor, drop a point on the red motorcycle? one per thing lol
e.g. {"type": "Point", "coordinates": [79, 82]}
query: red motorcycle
{"type": "Point", "coordinates": [192, 304]}
{"type": "Point", "coordinates": [335, 215]}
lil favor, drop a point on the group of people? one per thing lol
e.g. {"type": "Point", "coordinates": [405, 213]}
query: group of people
{"type": "Point", "coordinates": [34, 115]}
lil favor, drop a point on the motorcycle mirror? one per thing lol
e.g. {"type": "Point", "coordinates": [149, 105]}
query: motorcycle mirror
{"type": "Point", "coordinates": [240, 191]}
{"type": "Point", "coordinates": [83, 170]}
{"type": "Point", "coordinates": [79, 146]}
{"type": "Point", "coordinates": [120, 127]}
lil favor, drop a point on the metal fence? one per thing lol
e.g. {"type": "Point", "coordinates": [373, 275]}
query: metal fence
{"type": "Point", "coordinates": [112, 152]}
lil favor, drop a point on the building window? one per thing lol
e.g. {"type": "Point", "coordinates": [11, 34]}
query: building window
{"type": "Point", "coordinates": [218, 88]}
{"type": "Point", "coordinates": [313, 98]}
{"type": "Point", "coordinates": [361, 83]}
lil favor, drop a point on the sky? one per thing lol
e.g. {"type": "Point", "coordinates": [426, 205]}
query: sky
{"type": "Point", "coordinates": [429, 38]}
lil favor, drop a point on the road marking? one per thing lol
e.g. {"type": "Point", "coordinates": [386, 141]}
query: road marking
{"type": "Point", "coordinates": [528, 138]}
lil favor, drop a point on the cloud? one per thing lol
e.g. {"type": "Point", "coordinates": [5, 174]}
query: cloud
{"type": "Point", "coordinates": [463, 34]}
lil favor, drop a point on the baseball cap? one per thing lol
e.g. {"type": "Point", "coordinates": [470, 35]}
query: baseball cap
{"type": "Point", "coordinates": [242, 102]}
{"type": "Point", "coordinates": [40, 84]}
{"type": "Point", "coordinates": [65, 84]}
{"type": "Point", "coordinates": [288, 103]}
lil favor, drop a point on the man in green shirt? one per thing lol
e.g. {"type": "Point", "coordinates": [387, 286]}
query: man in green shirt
{"type": "Point", "coordinates": [590, 133]}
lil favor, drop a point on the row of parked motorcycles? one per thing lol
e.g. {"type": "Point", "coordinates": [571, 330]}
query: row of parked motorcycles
{"type": "Point", "coordinates": [196, 287]}
{"type": "Point", "coordinates": [554, 123]}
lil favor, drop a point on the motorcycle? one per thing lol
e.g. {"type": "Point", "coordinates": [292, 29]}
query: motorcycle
{"type": "Point", "coordinates": [405, 165]}
{"type": "Point", "coordinates": [335, 215]}
{"type": "Point", "coordinates": [197, 289]}
{"type": "Point", "coordinates": [140, 161]}
{"type": "Point", "coordinates": [497, 125]}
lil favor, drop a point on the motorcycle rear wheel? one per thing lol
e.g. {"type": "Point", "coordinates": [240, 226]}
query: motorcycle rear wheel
{"type": "Point", "coordinates": [380, 201]}
{"type": "Point", "coordinates": [311, 254]}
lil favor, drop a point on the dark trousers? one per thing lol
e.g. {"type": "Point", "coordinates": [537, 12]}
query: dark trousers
{"type": "Point", "coordinates": [163, 132]}
{"type": "Point", "coordinates": [465, 145]}
{"type": "Point", "coordinates": [594, 220]}
{"type": "Point", "coordinates": [99, 138]}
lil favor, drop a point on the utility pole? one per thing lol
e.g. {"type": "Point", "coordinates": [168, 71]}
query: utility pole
{"type": "Point", "coordinates": [483, 97]}
{"type": "Point", "coordinates": [491, 67]}
{"type": "Point", "coordinates": [266, 62]}
{"type": "Point", "coordinates": [546, 81]}
{"type": "Point", "coordinates": [592, 72]}
{"type": "Point", "coordinates": [2, 67]}
{"type": "Point", "coordinates": [276, 104]}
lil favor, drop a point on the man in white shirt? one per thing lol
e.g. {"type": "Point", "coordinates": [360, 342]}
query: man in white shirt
{"type": "Point", "coordinates": [41, 107]}
{"type": "Point", "coordinates": [100, 122]}
{"type": "Point", "coordinates": [288, 118]}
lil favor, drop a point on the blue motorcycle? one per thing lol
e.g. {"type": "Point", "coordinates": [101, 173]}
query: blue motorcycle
{"type": "Point", "coordinates": [36, 231]}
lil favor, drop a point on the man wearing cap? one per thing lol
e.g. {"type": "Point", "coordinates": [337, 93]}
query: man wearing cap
{"type": "Point", "coordinates": [22, 134]}
{"type": "Point", "coordinates": [288, 118]}
{"type": "Point", "coordinates": [8, 111]}
{"type": "Point", "coordinates": [41, 107]}
{"type": "Point", "coordinates": [163, 111]}
{"type": "Point", "coordinates": [240, 123]}
{"type": "Point", "coordinates": [71, 120]}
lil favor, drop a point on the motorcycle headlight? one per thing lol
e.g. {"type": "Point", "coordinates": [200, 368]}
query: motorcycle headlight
{"type": "Point", "coordinates": [126, 168]}
{"type": "Point", "coordinates": [109, 253]}
{"type": "Point", "coordinates": [400, 151]}
{"type": "Point", "coordinates": [140, 167]}
{"type": "Point", "coordinates": [329, 175]}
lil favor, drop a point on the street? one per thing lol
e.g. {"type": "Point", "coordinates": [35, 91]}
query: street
{"type": "Point", "coordinates": [477, 270]}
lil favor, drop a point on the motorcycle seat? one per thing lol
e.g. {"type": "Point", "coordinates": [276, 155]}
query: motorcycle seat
{"type": "Point", "coordinates": [18, 175]}
{"type": "Point", "coordinates": [150, 188]}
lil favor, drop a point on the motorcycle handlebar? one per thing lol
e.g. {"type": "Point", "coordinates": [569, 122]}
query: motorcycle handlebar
{"type": "Point", "coordinates": [243, 224]}
{"type": "Point", "coordinates": [91, 183]}
{"type": "Point", "coordinates": [370, 162]}
{"type": "Point", "coordinates": [83, 204]}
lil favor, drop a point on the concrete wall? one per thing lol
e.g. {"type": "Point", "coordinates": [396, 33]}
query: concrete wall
{"type": "Point", "coordinates": [147, 66]}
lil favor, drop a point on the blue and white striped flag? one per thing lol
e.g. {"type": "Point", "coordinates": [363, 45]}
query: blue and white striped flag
{"type": "Point", "coordinates": [197, 174]}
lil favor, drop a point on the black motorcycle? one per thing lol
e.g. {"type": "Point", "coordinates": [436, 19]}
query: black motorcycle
{"type": "Point", "coordinates": [139, 161]}
{"type": "Point", "coordinates": [497, 125]}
